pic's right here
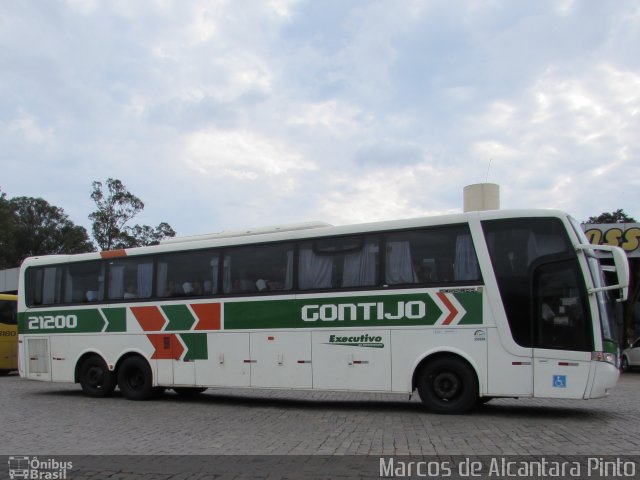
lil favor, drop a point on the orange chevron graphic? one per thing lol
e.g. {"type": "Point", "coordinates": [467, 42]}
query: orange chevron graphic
{"type": "Point", "coordinates": [149, 318]}
{"type": "Point", "coordinates": [167, 347]}
{"type": "Point", "coordinates": [453, 312]}
{"type": "Point", "coordinates": [208, 316]}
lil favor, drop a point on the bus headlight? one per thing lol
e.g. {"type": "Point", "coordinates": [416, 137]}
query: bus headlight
{"type": "Point", "coordinates": [611, 358]}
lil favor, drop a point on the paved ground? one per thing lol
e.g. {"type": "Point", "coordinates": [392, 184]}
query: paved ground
{"type": "Point", "coordinates": [267, 434]}
{"type": "Point", "coordinates": [56, 419]}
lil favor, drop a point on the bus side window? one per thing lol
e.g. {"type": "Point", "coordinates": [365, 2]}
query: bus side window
{"type": "Point", "coordinates": [340, 262]}
{"type": "Point", "coordinates": [130, 278]}
{"type": "Point", "coordinates": [84, 282]}
{"type": "Point", "coordinates": [437, 255]}
{"type": "Point", "coordinates": [258, 268]}
{"type": "Point", "coordinates": [187, 274]}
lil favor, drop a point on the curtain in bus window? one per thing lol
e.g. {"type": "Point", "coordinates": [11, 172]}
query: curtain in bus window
{"type": "Point", "coordinates": [68, 288]}
{"type": "Point", "coordinates": [226, 274]}
{"type": "Point", "coordinates": [288, 281]}
{"type": "Point", "coordinates": [145, 279]}
{"type": "Point", "coordinates": [399, 267]}
{"type": "Point", "coordinates": [116, 282]}
{"type": "Point", "coordinates": [314, 270]}
{"type": "Point", "coordinates": [163, 269]}
{"type": "Point", "coordinates": [51, 286]}
{"type": "Point", "coordinates": [360, 267]}
{"type": "Point", "coordinates": [211, 286]}
{"type": "Point", "coordinates": [466, 265]}
{"type": "Point", "coordinates": [35, 285]}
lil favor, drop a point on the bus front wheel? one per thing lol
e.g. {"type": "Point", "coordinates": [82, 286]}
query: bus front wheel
{"type": "Point", "coordinates": [95, 378]}
{"type": "Point", "coordinates": [135, 379]}
{"type": "Point", "coordinates": [448, 385]}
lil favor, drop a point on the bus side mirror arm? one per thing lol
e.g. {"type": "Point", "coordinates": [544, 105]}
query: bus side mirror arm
{"type": "Point", "coordinates": [621, 267]}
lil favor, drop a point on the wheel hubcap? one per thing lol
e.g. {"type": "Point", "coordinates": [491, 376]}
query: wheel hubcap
{"type": "Point", "coordinates": [95, 376]}
{"type": "Point", "coordinates": [446, 385]}
{"type": "Point", "coordinates": [136, 380]}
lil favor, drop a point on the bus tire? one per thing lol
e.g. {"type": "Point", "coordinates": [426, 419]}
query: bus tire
{"type": "Point", "coordinates": [189, 391]}
{"type": "Point", "coordinates": [95, 377]}
{"type": "Point", "coordinates": [135, 379]}
{"type": "Point", "coordinates": [448, 385]}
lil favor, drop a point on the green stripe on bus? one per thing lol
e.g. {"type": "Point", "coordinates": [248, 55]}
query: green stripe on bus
{"type": "Point", "coordinates": [62, 321]}
{"type": "Point", "coordinates": [357, 311]}
{"type": "Point", "coordinates": [196, 346]}
{"type": "Point", "coordinates": [116, 318]}
{"type": "Point", "coordinates": [180, 318]}
{"type": "Point", "coordinates": [472, 303]}
{"type": "Point", "coordinates": [74, 321]}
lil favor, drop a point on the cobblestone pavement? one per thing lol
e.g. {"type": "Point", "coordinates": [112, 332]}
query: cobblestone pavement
{"type": "Point", "coordinates": [56, 419]}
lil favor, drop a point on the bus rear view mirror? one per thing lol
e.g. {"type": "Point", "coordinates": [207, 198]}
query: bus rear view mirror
{"type": "Point", "coordinates": [620, 266]}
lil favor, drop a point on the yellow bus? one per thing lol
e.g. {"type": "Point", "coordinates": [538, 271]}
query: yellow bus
{"type": "Point", "coordinates": [8, 333]}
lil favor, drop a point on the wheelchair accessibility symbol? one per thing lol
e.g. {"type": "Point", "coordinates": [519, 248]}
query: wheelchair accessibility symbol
{"type": "Point", "coordinates": [560, 381]}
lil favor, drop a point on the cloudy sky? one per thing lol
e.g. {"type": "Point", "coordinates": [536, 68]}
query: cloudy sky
{"type": "Point", "coordinates": [225, 114]}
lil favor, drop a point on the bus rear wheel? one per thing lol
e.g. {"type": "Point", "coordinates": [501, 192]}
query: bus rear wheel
{"type": "Point", "coordinates": [135, 379]}
{"type": "Point", "coordinates": [448, 385]}
{"type": "Point", "coordinates": [96, 379]}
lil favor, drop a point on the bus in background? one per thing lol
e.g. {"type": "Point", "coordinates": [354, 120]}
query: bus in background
{"type": "Point", "coordinates": [8, 333]}
{"type": "Point", "coordinates": [461, 308]}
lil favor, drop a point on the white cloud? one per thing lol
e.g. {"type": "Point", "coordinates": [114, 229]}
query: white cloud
{"type": "Point", "coordinates": [284, 110]}
{"type": "Point", "coordinates": [27, 127]}
{"type": "Point", "coordinates": [240, 154]}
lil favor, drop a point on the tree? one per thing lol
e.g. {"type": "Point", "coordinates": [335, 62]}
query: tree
{"type": "Point", "coordinates": [31, 226]}
{"type": "Point", "coordinates": [7, 237]}
{"type": "Point", "coordinates": [146, 235]}
{"type": "Point", "coordinates": [619, 216]}
{"type": "Point", "coordinates": [115, 207]}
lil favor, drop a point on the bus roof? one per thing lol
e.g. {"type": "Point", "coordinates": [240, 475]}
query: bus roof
{"type": "Point", "coordinates": [247, 232]}
{"type": "Point", "coordinates": [290, 232]}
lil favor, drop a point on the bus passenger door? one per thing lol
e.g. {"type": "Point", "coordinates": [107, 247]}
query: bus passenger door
{"type": "Point", "coordinates": [563, 338]}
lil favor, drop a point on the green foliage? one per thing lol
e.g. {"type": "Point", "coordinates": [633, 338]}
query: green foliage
{"type": "Point", "coordinates": [115, 207]}
{"type": "Point", "coordinates": [31, 226]}
{"type": "Point", "coordinates": [619, 216]}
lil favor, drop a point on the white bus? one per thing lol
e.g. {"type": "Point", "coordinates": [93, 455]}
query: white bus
{"type": "Point", "coordinates": [461, 308]}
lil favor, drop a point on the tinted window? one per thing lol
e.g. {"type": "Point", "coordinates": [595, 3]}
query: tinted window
{"type": "Point", "coordinates": [517, 248]}
{"type": "Point", "coordinates": [338, 263]}
{"type": "Point", "coordinates": [187, 274]}
{"type": "Point", "coordinates": [8, 312]}
{"type": "Point", "coordinates": [561, 321]}
{"type": "Point", "coordinates": [130, 278]}
{"type": "Point", "coordinates": [431, 256]}
{"type": "Point", "coordinates": [44, 286]}
{"type": "Point", "coordinates": [83, 282]}
{"type": "Point", "coordinates": [258, 268]}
